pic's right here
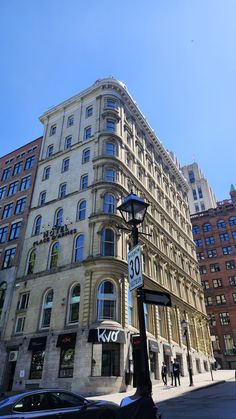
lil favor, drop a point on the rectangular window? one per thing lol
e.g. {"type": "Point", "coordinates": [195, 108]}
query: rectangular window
{"type": "Point", "coordinates": [212, 253]}
{"type": "Point", "coordinates": [229, 345]}
{"type": "Point", "coordinates": [198, 243]}
{"type": "Point", "coordinates": [87, 133]}
{"type": "Point", "coordinates": [208, 301]}
{"type": "Point", "coordinates": [7, 211]}
{"type": "Point", "coordinates": [15, 231]}
{"type": "Point", "coordinates": [224, 318]}
{"type": "Point", "coordinates": [205, 285]}
{"type": "Point", "coordinates": [70, 121]}
{"type": "Point", "coordinates": [234, 234]}
{"type": "Point", "coordinates": [106, 360]}
{"type": "Point", "coordinates": [84, 182]}
{"type": "Point", "coordinates": [200, 192]}
{"type": "Point", "coordinates": [8, 258]}
{"type": "Point", "coordinates": [20, 205]}
{"type": "Point", "coordinates": [227, 250]}
{"type": "Point", "coordinates": [65, 165]}
{"type": "Point", "coordinates": [220, 299]}
{"type": "Point", "coordinates": [20, 323]}
{"type": "Point", "coordinates": [86, 156]}
{"type": "Point", "coordinates": [3, 234]}
{"type": "Point", "coordinates": [36, 367]}
{"type": "Point", "coordinates": [6, 173]}
{"type": "Point", "coordinates": [230, 264]}
{"type": "Point", "coordinates": [224, 237]}
{"type": "Point", "coordinates": [194, 194]}
{"type": "Point", "coordinates": [202, 270]}
{"type": "Point", "coordinates": [232, 281]}
{"type": "Point", "coordinates": [110, 125]}
{"type": "Point", "coordinates": [50, 150]}
{"type": "Point", "coordinates": [89, 111]}
{"type": "Point", "coordinates": [12, 188]}
{"type": "Point", "coordinates": [25, 183]}
{"type": "Point", "coordinates": [66, 366]}
{"type": "Point", "coordinates": [210, 240]}
{"type": "Point", "coordinates": [29, 163]}
{"type": "Point", "coordinates": [191, 176]}
{"type": "Point", "coordinates": [234, 297]}
{"type": "Point", "coordinates": [23, 301]}
{"type": "Point", "coordinates": [217, 283]}
{"type": "Point", "coordinates": [53, 129]}
{"type": "Point", "coordinates": [202, 206]}
{"type": "Point", "coordinates": [215, 267]}
{"type": "Point", "coordinates": [212, 319]}
{"type": "Point", "coordinates": [3, 192]}
{"type": "Point", "coordinates": [17, 168]}
{"type": "Point", "coordinates": [196, 207]}
{"type": "Point", "coordinates": [200, 256]}
{"type": "Point", "coordinates": [111, 103]}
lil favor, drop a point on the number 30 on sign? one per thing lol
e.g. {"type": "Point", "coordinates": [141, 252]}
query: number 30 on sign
{"type": "Point", "coordinates": [135, 268]}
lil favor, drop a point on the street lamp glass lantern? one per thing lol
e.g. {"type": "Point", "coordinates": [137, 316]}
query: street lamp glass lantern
{"type": "Point", "coordinates": [133, 209]}
{"type": "Point", "coordinates": [184, 324]}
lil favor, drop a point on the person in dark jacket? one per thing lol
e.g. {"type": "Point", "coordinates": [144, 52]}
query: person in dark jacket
{"type": "Point", "coordinates": [164, 373]}
{"type": "Point", "coordinates": [176, 372]}
{"type": "Point", "coordinates": [141, 404]}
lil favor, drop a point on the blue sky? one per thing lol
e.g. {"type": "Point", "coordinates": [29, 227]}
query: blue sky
{"type": "Point", "coordinates": [177, 58]}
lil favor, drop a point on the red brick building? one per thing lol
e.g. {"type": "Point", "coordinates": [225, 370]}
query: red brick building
{"type": "Point", "coordinates": [17, 175]}
{"type": "Point", "coordinates": [214, 233]}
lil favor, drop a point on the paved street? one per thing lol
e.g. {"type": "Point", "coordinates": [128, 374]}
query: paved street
{"type": "Point", "coordinates": [215, 402]}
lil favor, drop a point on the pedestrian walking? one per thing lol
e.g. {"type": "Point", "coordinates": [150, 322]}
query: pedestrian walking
{"type": "Point", "coordinates": [164, 373]}
{"type": "Point", "coordinates": [176, 372]}
{"type": "Point", "coordinates": [141, 404]}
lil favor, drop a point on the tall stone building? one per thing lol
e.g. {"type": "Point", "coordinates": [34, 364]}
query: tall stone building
{"type": "Point", "coordinates": [200, 194]}
{"type": "Point", "coordinates": [214, 233]}
{"type": "Point", "coordinates": [17, 176]}
{"type": "Point", "coordinates": [79, 323]}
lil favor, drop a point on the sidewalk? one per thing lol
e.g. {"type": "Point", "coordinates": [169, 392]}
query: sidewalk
{"type": "Point", "coordinates": [161, 392]}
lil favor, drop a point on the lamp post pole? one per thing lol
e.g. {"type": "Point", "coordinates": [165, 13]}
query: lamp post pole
{"type": "Point", "coordinates": [188, 357]}
{"type": "Point", "coordinates": [142, 326]}
{"type": "Point", "coordinates": [133, 210]}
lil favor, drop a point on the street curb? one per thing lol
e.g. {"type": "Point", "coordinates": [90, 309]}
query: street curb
{"type": "Point", "coordinates": [209, 385]}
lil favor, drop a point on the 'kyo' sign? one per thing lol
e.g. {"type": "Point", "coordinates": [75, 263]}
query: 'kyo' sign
{"type": "Point", "coordinates": [106, 336]}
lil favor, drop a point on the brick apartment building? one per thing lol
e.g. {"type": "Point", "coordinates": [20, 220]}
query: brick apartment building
{"type": "Point", "coordinates": [214, 234]}
{"type": "Point", "coordinates": [17, 176]}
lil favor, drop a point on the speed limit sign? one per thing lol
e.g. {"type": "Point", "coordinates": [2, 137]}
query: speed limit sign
{"type": "Point", "coordinates": [135, 268]}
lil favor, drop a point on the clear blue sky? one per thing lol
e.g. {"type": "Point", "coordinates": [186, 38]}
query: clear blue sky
{"type": "Point", "coordinates": [177, 58]}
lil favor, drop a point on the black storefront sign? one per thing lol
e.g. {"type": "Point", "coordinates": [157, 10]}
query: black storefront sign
{"type": "Point", "coordinates": [37, 344]}
{"type": "Point", "coordinates": [167, 350]}
{"type": "Point", "coordinates": [153, 346]}
{"type": "Point", "coordinates": [100, 335]}
{"type": "Point", "coordinates": [67, 340]}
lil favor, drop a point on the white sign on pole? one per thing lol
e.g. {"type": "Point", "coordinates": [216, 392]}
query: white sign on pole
{"type": "Point", "coordinates": [135, 268]}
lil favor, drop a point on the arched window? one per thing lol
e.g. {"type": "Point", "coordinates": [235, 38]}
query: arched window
{"type": "Point", "coordinates": [232, 221]}
{"type": "Point", "coordinates": [31, 262]}
{"type": "Point", "coordinates": [68, 142]}
{"type": "Point", "coordinates": [110, 148]}
{"type": "Point", "coordinates": [54, 255]}
{"type": "Point", "coordinates": [106, 304]}
{"type": "Point", "coordinates": [46, 173]}
{"type": "Point", "coordinates": [59, 218]}
{"type": "Point", "coordinates": [109, 203]}
{"type": "Point", "coordinates": [207, 227]}
{"type": "Point", "coordinates": [3, 289]}
{"type": "Point", "coordinates": [74, 302]}
{"type": "Point", "coordinates": [37, 225]}
{"type": "Point", "coordinates": [108, 242]}
{"type": "Point", "coordinates": [79, 248]}
{"type": "Point", "coordinates": [47, 308]}
{"type": "Point", "coordinates": [81, 210]}
{"type": "Point", "coordinates": [221, 224]}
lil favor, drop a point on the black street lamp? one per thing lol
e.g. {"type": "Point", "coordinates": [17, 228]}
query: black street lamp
{"type": "Point", "coordinates": [133, 210]}
{"type": "Point", "coordinates": [184, 324]}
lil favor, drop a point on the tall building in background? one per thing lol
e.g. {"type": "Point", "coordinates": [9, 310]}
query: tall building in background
{"type": "Point", "coordinates": [17, 176]}
{"type": "Point", "coordinates": [73, 321]}
{"type": "Point", "coordinates": [214, 234]}
{"type": "Point", "coordinates": [200, 194]}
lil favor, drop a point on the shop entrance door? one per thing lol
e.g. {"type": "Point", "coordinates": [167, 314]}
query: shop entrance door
{"type": "Point", "coordinates": [10, 372]}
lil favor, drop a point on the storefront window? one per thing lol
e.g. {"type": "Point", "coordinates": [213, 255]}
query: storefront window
{"type": "Point", "coordinates": [66, 362]}
{"type": "Point", "coordinates": [106, 360]}
{"type": "Point", "coordinates": [36, 368]}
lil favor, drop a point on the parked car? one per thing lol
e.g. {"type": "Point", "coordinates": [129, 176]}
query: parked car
{"type": "Point", "coordinates": [54, 404]}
